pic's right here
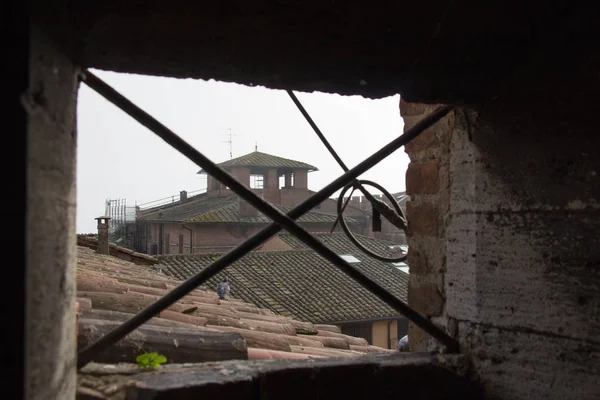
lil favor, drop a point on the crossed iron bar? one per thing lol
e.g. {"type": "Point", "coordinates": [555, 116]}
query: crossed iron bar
{"type": "Point", "coordinates": [281, 220]}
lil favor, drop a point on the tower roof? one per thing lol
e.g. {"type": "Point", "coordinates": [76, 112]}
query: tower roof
{"type": "Point", "coordinates": [259, 159]}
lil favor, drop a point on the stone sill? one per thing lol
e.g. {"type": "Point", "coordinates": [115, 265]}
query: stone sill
{"type": "Point", "coordinates": [404, 375]}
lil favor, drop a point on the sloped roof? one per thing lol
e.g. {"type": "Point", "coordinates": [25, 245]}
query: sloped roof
{"type": "Point", "coordinates": [301, 284]}
{"type": "Point", "coordinates": [126, 254]}
{"type": "Point", "coordinates": [339, 242]}
{"type": "Point", "coordinates": [124, 285]}
{"type": "Point", "coordinates": [259, 159]}
{"type": "Point", "coordinates": [223, 210]}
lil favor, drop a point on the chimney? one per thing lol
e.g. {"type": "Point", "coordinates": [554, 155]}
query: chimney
{"type": "Point", "coordinates": [102, 235]}
{"type": "Point", "coordinates": [182, 195]}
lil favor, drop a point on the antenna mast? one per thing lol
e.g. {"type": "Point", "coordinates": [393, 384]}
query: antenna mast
{"type": "Point", "coordinates": [230, 142]}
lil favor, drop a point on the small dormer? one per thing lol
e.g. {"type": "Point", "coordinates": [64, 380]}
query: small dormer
{"type": "Point", "coordinates": [265, 173]}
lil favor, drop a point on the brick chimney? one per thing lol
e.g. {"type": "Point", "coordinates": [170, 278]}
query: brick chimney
{"type": "Point", "coordinates": [102, 235]}
{"type": "Point", "coordinates": [182, 195]}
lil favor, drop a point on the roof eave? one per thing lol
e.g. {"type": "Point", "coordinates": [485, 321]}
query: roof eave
{"type": "Point", "coordinates": [309, 169]}
{"type": "Point", "coordinates": [363, 320]}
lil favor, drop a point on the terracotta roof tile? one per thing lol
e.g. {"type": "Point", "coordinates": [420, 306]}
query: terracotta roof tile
{"type": "Point", "coordinates": [117, 251]}
{"type": "Point", "coordinates": [110, 290]}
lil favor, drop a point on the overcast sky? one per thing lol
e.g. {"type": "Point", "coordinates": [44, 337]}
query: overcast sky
{"type": "Point", "coordinates": [118, 158]}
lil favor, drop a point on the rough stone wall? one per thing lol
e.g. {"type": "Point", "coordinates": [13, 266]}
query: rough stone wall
{"type": "Point", "coordinates": [505, 251]}
{"type": "Point", "coordinates": [427, 184]}
{"type": "Point", "coordinates": [524, 251]}
{"type": "Point", "coordinates": [51, 249]}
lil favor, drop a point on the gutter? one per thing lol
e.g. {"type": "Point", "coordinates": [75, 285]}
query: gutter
{"type": "Point", "coordinates": [356, 321]}
{"type": "Point", "coordinates": [389, 337]}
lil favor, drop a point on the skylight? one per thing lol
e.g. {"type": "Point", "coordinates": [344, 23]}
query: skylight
{"type": "Point", "coordinates": [402, 266]}
{"type": "Point", "coordinates": [349, 258]}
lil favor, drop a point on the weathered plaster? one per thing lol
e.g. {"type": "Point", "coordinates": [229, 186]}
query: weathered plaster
{"type": "Point", "coordinates": [51, 104]}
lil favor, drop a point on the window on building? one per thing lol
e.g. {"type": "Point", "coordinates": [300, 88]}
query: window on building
{"type": "Point", "coordinates": [402, 266]}
{"type": "Point", "coordinates": [257, 181]}
{"type": "Point", "coordinates": [286, 180]}
{"type": "Point", "coordinates": [362, 330]}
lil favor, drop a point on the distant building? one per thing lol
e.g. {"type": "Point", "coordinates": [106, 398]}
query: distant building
{"type": "Point", "coordinates": [218, 219]}
{"type": "Point", "coordinates": [388, 230]}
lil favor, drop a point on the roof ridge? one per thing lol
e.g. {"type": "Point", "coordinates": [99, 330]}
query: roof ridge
{"type": "Point", "coordinates": [344, 235]}
{"type": "Point", "coordinates": [351, 219]}
{"type": "Point", "coordinates": [203, 255]}
{"type": "Point", "coordinates": [189, 202]}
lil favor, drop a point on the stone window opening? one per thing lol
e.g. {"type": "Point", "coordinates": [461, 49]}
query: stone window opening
{"type": "Point", "coordinates": [286, 180]}
{"type": "Point", "coordinates": [257, 182]}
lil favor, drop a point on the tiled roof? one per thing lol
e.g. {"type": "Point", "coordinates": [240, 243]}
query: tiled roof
{"type": "Point", "coordinates": [258, 159]}
{"type": "Point", "coordinates": [123, 253]}
{"type": "Point", "coordinates": [224, 210]}
{"type": "Point", "coordinates": [111, 287]}
{"type": "Point", "coordinates": [301, 284]}
{"type": "Point", "coordinates": [339, 242]}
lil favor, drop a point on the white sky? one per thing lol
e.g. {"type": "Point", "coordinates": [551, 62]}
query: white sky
{"type": "Point", "coordinates": [118, 158]}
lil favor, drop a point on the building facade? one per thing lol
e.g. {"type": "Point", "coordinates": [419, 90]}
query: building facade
{"type": "Point", "coordinates": [218, 219]}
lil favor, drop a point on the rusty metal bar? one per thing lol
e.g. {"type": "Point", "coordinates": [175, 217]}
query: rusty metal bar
{"type": "Point", "coordinates": [385, 210]}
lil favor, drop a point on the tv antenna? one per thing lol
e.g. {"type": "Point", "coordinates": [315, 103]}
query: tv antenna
{"type": "Point", "coordinates": [230, 142]}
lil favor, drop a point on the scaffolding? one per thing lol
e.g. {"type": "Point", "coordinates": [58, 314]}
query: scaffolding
{"type": "Point", "coordinates": [122, 221]}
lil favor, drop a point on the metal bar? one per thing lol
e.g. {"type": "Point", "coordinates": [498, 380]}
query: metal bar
{"type": "Point", "coordinates": [87, 354]}
{"type": "Point", "coordinates": [317, 130]}
{"type": "Point", "coordinates": [380, 206]}
{"type": "Point", "coordinates": [343, 209]}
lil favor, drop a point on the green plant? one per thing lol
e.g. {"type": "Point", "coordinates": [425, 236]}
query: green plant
{"type": "Point", "coordinates": [150, 360]}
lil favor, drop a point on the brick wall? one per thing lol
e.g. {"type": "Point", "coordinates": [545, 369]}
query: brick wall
{"type": "Point", "coordinates": [213, 237]}
{"type": "Point", "coordinates": [427, 184]}
{"type": "Point", "coordinates": [291, 197]}
{"type": "Point", "coordinates": [242, 174]}
{"type": "Point", "coordinates": [301, 179]}
{"type": "Point", "coordinates": [503, 247]}
{"type": "Point", "coordinates": [271, 183]}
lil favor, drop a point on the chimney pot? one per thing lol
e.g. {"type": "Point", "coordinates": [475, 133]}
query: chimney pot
{"type": "Point", "coordinates": [183, 195]}
{"type": "Point", "coordinates": [102, 235]}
